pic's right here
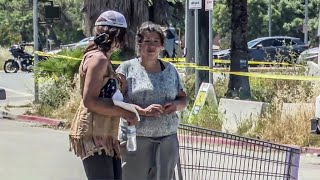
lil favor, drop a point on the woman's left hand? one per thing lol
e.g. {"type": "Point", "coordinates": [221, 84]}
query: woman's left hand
{"type": "Point", "coordinates": [170, 107]}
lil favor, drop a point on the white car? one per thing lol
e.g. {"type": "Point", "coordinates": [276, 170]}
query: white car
{"type": "Point", "coordinates": [309, 55]}
{"type": "Point", "coordinates": [81, 44]}
{"type": "Point", "coordinates": [84, 42]}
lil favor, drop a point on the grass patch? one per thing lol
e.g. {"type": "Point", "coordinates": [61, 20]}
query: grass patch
{"type": "Point", "coordinates": [208, 117]}
{"type": "Point", "coordinates": [4, 55]}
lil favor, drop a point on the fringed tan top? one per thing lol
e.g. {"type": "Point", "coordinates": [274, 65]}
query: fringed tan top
{"type": "Point", "coordinates": [91, 132]}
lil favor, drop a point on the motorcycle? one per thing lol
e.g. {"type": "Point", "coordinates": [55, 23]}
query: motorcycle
{"type": "Point", "coordinates": [21, 60]}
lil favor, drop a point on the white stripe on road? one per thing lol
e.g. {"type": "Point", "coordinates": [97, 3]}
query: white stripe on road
{"type": "Point", "coordinates": [17, 92]}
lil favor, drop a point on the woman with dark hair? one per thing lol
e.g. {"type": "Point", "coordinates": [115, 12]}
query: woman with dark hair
{"type": "Point", "coordinates": [94, 130]}
{"type": "Point", "coordinates": [156, 90]}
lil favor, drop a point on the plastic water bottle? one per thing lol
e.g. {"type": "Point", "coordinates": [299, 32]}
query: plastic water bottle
{"type": "Point", "coordinates": [131, 138]}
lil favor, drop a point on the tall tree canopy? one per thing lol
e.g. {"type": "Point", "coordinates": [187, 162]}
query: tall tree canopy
{"type": "Point", "coordinates": [16, 22]}
{"type": "Point", "coordinates": [287, 18]}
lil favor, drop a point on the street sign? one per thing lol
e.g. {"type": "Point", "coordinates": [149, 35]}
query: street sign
{"type": "Point", "coordinates": [206, 93]}
{"type": "Point", "coordinates": [209, 5]}
{"type": "Point", "coordinates": [52, 12]}
{"type": "Point", "coordinates": [195, 4]}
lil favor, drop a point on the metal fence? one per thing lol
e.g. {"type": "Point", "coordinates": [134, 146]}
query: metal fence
{"type": "Point", "coordinates": [211, 155]}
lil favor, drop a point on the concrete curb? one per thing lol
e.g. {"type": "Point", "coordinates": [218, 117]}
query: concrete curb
{"type": "Point", "coordinates": [311, 150]}
{"type": "Point", "coordinates": [29, 118]}
{"type": "Point", "coordinates": [37, 119]}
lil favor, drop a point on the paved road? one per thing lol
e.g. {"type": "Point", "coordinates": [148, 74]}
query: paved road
{"type": "Point", "coordinates": [309, 168]}
{"type": "Point", "coordinates": [34, 153]}
{"type": "Point", "coordinates": [19, 88]}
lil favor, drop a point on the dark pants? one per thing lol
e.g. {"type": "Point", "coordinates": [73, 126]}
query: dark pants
{"type": "Point", "coordinates": [155, 159]}
{"type": "Point", "coordinates": [102, 167]}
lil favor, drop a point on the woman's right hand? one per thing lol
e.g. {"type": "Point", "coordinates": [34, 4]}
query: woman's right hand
{"type": "Point", "coordinates": [130, 116]}
{"type": "Point", "coordinates": [154, 110]}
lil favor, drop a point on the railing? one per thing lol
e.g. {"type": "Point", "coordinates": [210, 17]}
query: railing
{"type": "Point", "coordinates": [211, 155]}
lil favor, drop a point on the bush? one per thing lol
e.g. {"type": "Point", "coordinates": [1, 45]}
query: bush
{"type": "Point", "coordinates": [53, 93]}
{"type": "Point", "coordinates": [61, 67]}
{"type": "Point", "coordinates": [4, 55]}
{"type": "Point", "coordinates": [208, 117]}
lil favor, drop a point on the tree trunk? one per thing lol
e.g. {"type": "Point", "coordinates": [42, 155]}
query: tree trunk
{"type": "Point", "coordinates": [135, 12]}
{"type": "Point", "coordinates": [160, 16]}
{"type": "Point", "coordinates": [239, 85]}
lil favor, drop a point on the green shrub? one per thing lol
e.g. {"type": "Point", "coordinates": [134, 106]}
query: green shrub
{"type": "Point", "coordinates": [54, 92]}
{"type": "Point", "coordinates": [4, 55]}
{"type": "Point", "coordinates": [208, 117]}
{"type": "Point", "coordinates": [61, 67]}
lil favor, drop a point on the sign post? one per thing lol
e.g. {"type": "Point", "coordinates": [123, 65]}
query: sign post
{"type": "Point", "coordinates": [35, 48]}
{"type": "Point", "coordinates": [209, 7]}
{"type": "Point", "coordinates": [319, 38]}
{"type": "Point", "coordinates": [196, 5]}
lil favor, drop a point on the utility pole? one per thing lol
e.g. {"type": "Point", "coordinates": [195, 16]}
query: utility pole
{"type": "Point", "coordinates": [196, 49]}
{"type": "Point", "coordinates": [319, 35]}
{"type": "Point", "coordinates": [270, 17]}
{"type": "Point", "coordinates": [210, 41]}
{"type": "Point", "coordinates": [306, 19]}
{"type": "Point", "coordinates": [189, 36]}
{"type": "Point", "coordinates": [35, 48]}
{"type": "Point", "coordinates": [195, 5]}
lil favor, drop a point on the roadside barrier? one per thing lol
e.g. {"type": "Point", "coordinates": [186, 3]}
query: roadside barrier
{"type": "Point", "coordinates": [179, 63]}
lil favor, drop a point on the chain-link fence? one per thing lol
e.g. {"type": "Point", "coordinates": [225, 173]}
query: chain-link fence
{"type": "Point", "coordinates": [211, 155]}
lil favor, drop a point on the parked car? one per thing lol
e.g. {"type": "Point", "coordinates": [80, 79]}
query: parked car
{"type": "Point", "coordinates": [81, 44]}
{"type": "Point", "coordinates": [84, 42]}
{"type": "Point", "coordinates": [309, 55]}
{"type": "Point", "coordinates": [275, 48]}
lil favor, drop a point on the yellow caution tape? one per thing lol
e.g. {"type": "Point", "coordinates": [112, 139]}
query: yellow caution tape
{"type": "Point", "coordinates": [174, 59]}
{"type": "Point", "coordinates": [276, 76]}
{"type": "Point", "coordinates": [55, 55]}
{"type": "Point", "coordinates": [252, 62]}
{"type": "Point", "coordinates": [66, 57]}
{"type": "Point", "coordinates": [221, 61]}
{"type": "Point", "coordinates": [206, 68]}
{"type": "Point", "coordinates": [179, 60]}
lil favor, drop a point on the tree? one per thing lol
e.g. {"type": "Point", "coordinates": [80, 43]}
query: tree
{"type": "Point", "coordinates": [287, 18]}
{"type": "Point", "coordinates": [238, 85]}
{"type": "Point", "coordinates": [17, 22]}
{"type": "Point", "coordinates": [136, 12]}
